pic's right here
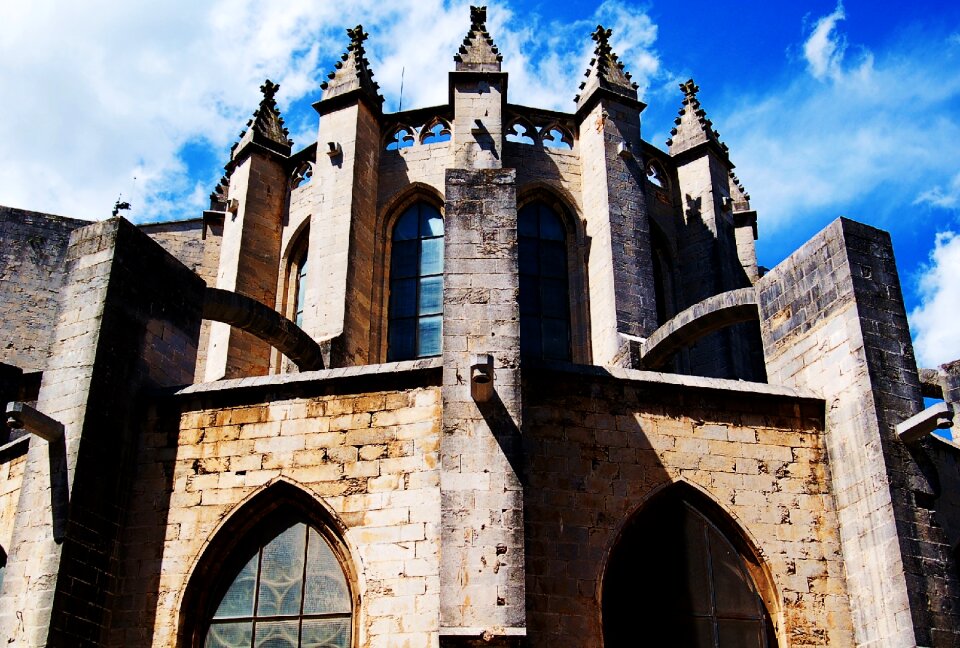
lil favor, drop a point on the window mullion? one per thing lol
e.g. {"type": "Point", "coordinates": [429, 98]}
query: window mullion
{"type": "Point", "coordinates": [256, 600]}
{"type": "Point", "coordinates": [303, 583]}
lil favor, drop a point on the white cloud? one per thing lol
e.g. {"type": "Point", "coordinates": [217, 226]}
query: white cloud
{"type": "Point", "coordinates": [106, 91]}
{"type": "Point", "coordinates": [825, 47]}
{"type": "Point", "coordinates": [934, 321]}
{"type": "Point", "coordinates": [806, 149]}
{"type": "Point", "coordinates": [938, 196]}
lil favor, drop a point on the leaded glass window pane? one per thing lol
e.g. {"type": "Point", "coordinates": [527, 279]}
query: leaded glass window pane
{"type": "Point", "coordinates": [431, 223]}
{"type": "Point", "coordinates": [403, 298]}
{"type": "Point", "coordinates": [431, 296]}
{"type": "Point", "coordinates": [229, 635]}
{"type": "Point", "coordinates": [431, 257]}
{"type": "Point", "coordinates": [326, 633]}
{"type": "Point", "coordinates": [416, 284]}
{"type": "Point", "coordinates": [281, 573]}
{"type": "Point", "coordinates": [407, 226]}
{"type": "Point", "coordinates": [291, 593]}
{"type": "Point", "coordinates": [428, 337]}
{"type": "Point", "coordinates": [403, 338]}
{"type": "Point", "coordinates": [404, 259]}
{"type": "Point", "coordinates": [326, 589]}
{"type": "Point", "coordinates": [238, 601]}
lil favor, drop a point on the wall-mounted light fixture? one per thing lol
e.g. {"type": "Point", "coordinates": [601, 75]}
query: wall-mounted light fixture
{"type": "Point", "coordinates": [481, 377]}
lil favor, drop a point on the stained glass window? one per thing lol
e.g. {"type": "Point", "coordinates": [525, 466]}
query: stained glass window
{"type": "Point", "coordinates": [416, 284]}
{"type": "Point", "coordinates": [544, 292]}
{"type": "Point", "coordinates": [675, 578]}
{"type": "Point", "coordinates": [290, 593]}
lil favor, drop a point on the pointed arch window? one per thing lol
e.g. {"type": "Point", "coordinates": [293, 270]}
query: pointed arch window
{"type": "Point", "coordinates": [416, 284]}
{"type": "Point", "coordinates": [287, 590]}
{"type": "Point", "coordinates": [675, 577]}
{"type": "Point", "coordinates": [544, 284]}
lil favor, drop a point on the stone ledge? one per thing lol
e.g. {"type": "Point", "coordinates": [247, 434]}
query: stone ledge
{"type": "Point", "coordinates": [679, 380]}
{"type": "Point", "coordinates": [365, 378]}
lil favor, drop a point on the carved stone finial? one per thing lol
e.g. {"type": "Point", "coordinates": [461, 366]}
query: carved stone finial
{"type": "Point", "coordinates": [692, 126]}
{"type": "Point", "coordinates": [352, 72]}
{"type": "Point", "coordinates": [478, 52]}
{"type": "Point", "coordinates": [266, 126]}
{"type": "Point", "coordinates": [606, 71]}
{"type": "Point", "coordinates": [218, 197]}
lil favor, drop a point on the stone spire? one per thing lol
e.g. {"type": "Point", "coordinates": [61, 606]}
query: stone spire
{"type": "Point", "coordinates": [692, 126]}
{"type": "Point", "coordinates": [266, 127]}
{"type": "Point", "coordinates": [606, 72]}
{"type": "Point", "coordinates": [353, 73]}
{"type": "Point", "coordinates": [478, 53]}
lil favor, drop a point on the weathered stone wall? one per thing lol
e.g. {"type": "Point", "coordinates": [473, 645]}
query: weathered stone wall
{"type": "Point", "coordinates": [12, 463]}
{"type": "Point", "coordinates": [555, 168]}
{"type": "Point", "coordinates": [833, 321]}
{"type": "Point", "coordinates": [184, 240]}
{"type": "Point", "coordinates": [364, 442]}
{"type": "Point", "coordinates": [420, 164]}
{"type": "Point", "coordinates": [33, 248]}
{"type": "Point", "coordinates": [128, 324]}
{"type": "Point", "coordinates": [599, 443]}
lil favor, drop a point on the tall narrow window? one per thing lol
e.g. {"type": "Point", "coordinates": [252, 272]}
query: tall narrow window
{"type": "Point", "coordinates": [301, 290]}
{"type": "Point", "coordinates": [290, 591]}
{"type": "Point", "coordinates": [676, 580]}
{"type": "Point", "coordinates": [416, 284]}
{"type": "Point", "coordinates": [544, 292]}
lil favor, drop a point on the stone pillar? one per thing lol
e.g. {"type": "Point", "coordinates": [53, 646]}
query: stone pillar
{"type": "Point", "coordinates": [249, 261]}
{"type": "Point", "coordinates": [478, 99]}
{"type": "Point", "coordinates": [340, 274]}
{"type": "Point", "coordinates": [833, 321]}
{"type": "Point", "coordinates": [128, 322]}
{"type": "Point", "coordinates": [620, 266]}
{"type": "Point", "coordinates": [482, 551]}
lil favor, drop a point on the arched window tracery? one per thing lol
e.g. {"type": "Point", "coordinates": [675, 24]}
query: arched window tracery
{"type": "Point", "coordinates": [401, 137]}
{"type": "Point", "coordinates": [435, 132]}
{"type": "Point", "coordinates": [290, 591]}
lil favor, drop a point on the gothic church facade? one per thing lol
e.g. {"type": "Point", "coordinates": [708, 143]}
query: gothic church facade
{"type": "Point", "coordinates": [476, 374]}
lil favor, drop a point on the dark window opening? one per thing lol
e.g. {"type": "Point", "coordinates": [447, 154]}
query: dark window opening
{"type": "Point", "coordinates": [544, 287]}
{"type": "Point", "coordinates": [675, 578]}
{"type": "Point", "coordinates": [416, 285]}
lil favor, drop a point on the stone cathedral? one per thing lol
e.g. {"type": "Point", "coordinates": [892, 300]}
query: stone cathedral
{"type": "Point", "coordinates": [476, 374]}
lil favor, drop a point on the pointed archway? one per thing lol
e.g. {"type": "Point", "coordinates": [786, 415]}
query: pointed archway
{"type": "Point", "coordinates": [683, 574]}
{"type": "Point", "coordinates": [276, 573]}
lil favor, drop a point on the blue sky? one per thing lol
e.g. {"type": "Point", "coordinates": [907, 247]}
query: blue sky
{"type": "Point", "coordinates": [828, 108]}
